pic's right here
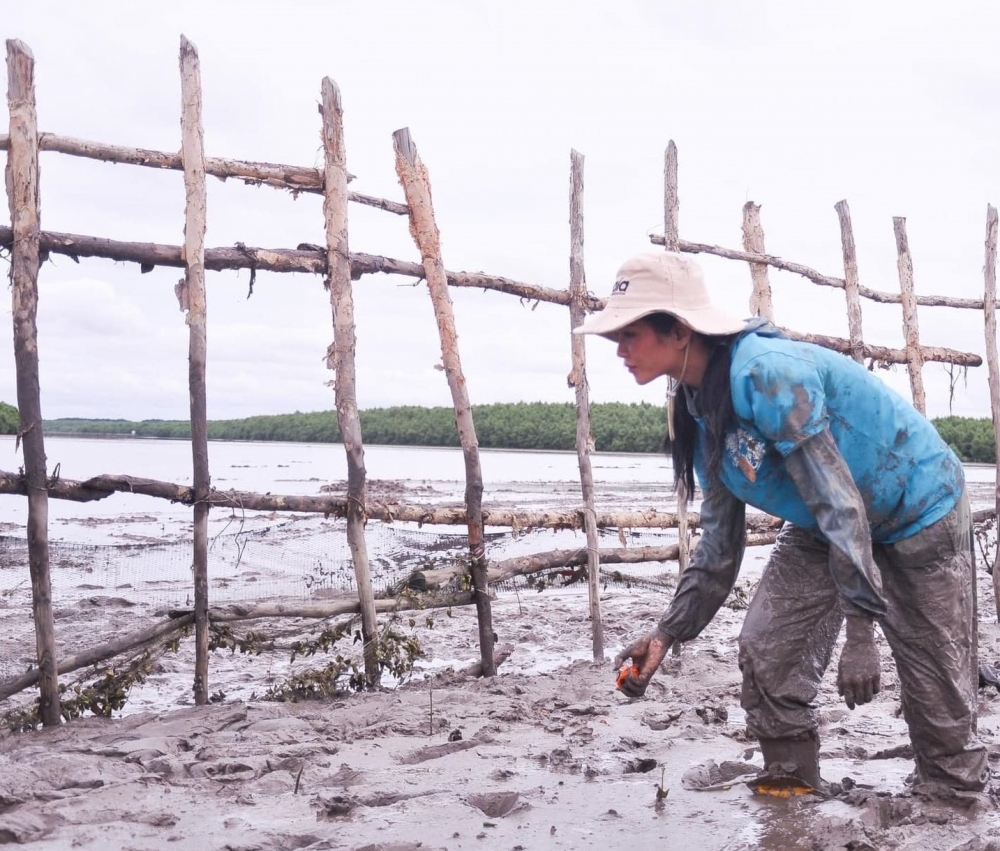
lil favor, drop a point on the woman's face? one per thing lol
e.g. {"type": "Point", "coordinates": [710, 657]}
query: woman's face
{"type": "Point", "coordinates": [648, 354]}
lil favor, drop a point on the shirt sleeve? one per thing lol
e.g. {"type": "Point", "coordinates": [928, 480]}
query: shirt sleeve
{"type": "Point", "coordinates": [714, 566]}
{"type": "Point", "coordinates": [824, 481]}
{"type": "Point", "coordinates": [783, 396]}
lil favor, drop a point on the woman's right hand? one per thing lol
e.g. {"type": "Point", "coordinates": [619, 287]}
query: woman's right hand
{"type": "Point", "coordinates": [646, 653]}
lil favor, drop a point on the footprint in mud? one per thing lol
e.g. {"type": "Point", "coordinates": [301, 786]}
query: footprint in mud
{"type": "Point", "coordinates": [495, 804]}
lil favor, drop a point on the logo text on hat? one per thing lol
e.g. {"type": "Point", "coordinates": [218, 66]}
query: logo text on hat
{"type": "Point", "coordinates": [619, 287]}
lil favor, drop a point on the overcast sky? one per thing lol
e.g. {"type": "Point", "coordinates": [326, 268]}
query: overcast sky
{"type": "Point", "coordinates": [792, 105]}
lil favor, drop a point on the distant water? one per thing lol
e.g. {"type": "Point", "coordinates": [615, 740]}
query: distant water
{"type": "Point", "coordinates": [435, 475]}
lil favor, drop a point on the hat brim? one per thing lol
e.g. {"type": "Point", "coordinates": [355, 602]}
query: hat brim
{"type": "Point", "coordinates": [706, 320]}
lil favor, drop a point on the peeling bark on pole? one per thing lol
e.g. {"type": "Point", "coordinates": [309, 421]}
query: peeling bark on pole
{"type": "Point", "coordinates": [671, 202]}
{"type": "Point", "coordinates": [578, 381]}
{"type": "Point", "coordinates": [990, 303]}
{"type": "Point", "coordinates": [193, 288]}
{"type": "Point", "coordinates": [423, 228]}
{"type": "Point", "coordinates": [341, 359]}
{"type": "Point", "coordinates": [851, 286]}
{"type": "Point", "coordinates": [753, 241]}
{"type": "Point", "coordinates": [22, 197]}
{"type": "Point", "coordinates": [671, 241]}
{"type": "Point", "coordinates": [911, 328]}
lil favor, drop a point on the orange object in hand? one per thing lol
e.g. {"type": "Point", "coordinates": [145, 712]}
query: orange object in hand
{"type": "Point", "coordinates": [624, 672]}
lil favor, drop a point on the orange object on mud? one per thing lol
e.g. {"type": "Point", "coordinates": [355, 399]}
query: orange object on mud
{"type": "Point", "coordinates": [780, 787]}
{"type": "Point", "coordinates": [624, 672]}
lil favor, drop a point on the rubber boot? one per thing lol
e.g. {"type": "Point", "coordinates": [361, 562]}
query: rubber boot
{"type": "Point", "coordinates": [791, 767]}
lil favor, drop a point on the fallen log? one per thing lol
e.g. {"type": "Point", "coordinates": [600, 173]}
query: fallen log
{"type": "Point", "coordinates": [103, 486]}
{"type": "Point", "coordinates": [330, 609]}
{"type": "Point", "coordinates": [501, 571]}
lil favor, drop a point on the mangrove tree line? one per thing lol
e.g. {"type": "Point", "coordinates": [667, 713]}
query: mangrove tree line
{"type": "Point", "coordinates": [617, 427]}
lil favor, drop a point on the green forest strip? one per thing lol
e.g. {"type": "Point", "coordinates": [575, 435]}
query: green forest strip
{"type": "Point", "coordinates": [616, 427]}
{"type": "Point", "coordinates": [536, 425]}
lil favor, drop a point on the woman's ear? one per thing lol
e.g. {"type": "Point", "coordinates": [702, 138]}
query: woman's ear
{"type": "Point", "coordinates": [682, 333]}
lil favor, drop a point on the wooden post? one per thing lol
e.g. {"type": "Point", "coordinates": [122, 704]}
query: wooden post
{"type": "Point", "coordinates": [578, 381]}
{"type": "Point", "coordinates": [22, 197]}
{"type": "Point", "coordinates": [192, 292]}
{"type": "Point", "coordinates": [671, 239]}
{"type": "Point", "coordinates": [340, 358]}
{"type": "Point", "coordinates": [671, 203]}
{"type": "Point", "coordinates": [753, 242]}
{"type": "Point", "coordinates": [423, 228]}
{"type": "Point", "coordinates": [911, 328]}
{"type": "Point", "coordinates": [851, 285]}
{"type": "Point", "coordinates": [990, 310]}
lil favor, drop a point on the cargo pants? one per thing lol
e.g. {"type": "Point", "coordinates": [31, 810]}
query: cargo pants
{"type": "Point", "coordinates": [929, 583]}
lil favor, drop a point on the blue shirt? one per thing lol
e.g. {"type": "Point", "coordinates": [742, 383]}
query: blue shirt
{"type": "Point", "coordinates": [785, 392]}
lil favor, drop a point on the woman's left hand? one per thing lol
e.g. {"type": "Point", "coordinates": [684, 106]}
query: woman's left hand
{"type": "Point", "coordinates": [859, 672]}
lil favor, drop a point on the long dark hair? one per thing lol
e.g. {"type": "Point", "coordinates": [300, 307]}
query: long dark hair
{"type": "Point", "coordinates": [714, 402]}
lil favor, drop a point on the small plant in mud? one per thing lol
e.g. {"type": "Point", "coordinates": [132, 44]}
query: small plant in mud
{"type": "Point", "coordinates": [395, 653]}
{"type": "Point", "coordinates": [325, 640]}
{"type": "Point", "coordinates": [222, 637]}
{"type": "Point", "coordinates": [316, 684]}
{"type": "Point", "coordinates": [104, 696]}
{"type": "Point", "coordinates": [661, 788]}
{"type": "Point", "coordinates": [986, 541]}
{"type": "Point", "coordinates": [109, 692]}
{"type": "Point", "coordinates": [739, 598]}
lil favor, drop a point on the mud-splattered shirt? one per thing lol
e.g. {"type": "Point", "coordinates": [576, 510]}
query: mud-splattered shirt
{"type": "Point", "coordinates": [785, 392]}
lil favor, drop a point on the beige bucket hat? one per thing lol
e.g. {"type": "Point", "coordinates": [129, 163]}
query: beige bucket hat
{"type": "Point", "coordinates": [660, 282]}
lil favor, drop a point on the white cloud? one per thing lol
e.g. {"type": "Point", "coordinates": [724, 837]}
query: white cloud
{"type": "Point", "coordinates": [792, 105]}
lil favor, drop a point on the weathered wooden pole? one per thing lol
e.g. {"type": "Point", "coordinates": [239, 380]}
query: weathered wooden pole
{"type": "Point", "coordinates": [340, 358]}
{"type": "Point", "coordinates": [192, 295]}
{"type": "Point", "coordinates": [993, 365]}
{"type": "Point", "coordinates": [671, 239]}
{"type": "Point", "coordinates": [851, 285]}
{"type": "Point", "coordinates": [671, 201]}
{"type": "Point", "coordinates": [22, 197]}
{"type": "Point", "coordinates": [423, 228]}
{"type": "Point", "coordinates": [911, 328]}
{"type": "Point", "coordinates": [753, 242]}
{"type": "Point", "coordinates": [578, 381]}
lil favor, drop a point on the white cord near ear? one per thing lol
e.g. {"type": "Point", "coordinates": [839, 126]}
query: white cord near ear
{"type": "Point", "coordinates": [673, 385]}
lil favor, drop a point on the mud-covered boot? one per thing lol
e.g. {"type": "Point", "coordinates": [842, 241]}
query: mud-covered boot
{"type": "Point", "coordinates": [791, 767]}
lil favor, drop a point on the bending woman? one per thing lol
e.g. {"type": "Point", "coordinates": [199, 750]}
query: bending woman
{"type": "Point", "coordinates": [878, 527]}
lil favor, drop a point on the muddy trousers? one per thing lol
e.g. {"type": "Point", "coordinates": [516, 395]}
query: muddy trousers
{"type": "Point", "coordinates": [929, 582]}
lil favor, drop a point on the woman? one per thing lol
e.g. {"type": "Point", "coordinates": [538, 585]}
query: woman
{"type": "Point", "coordinates": [878, 527]}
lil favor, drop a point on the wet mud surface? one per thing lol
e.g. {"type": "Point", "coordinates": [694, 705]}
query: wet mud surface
{"type": "Point", "coordinates": [545, 755]}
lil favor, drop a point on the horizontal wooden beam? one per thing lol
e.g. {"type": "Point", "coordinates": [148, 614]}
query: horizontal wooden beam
{"type": "Point", "coordinates": [884, 355]}
{"type": "Point", "coordinates": [306, 258]}
{"type": "Point", "coordinates": [294, 178]}
{"type": "Point", "coordinates": [100, 487]}
{"type": "Point", "coordinates": [817, 277]}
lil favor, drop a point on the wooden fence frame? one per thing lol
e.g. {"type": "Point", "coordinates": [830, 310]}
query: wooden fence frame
{"type": "Point", "coordinates": [29, 246]}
